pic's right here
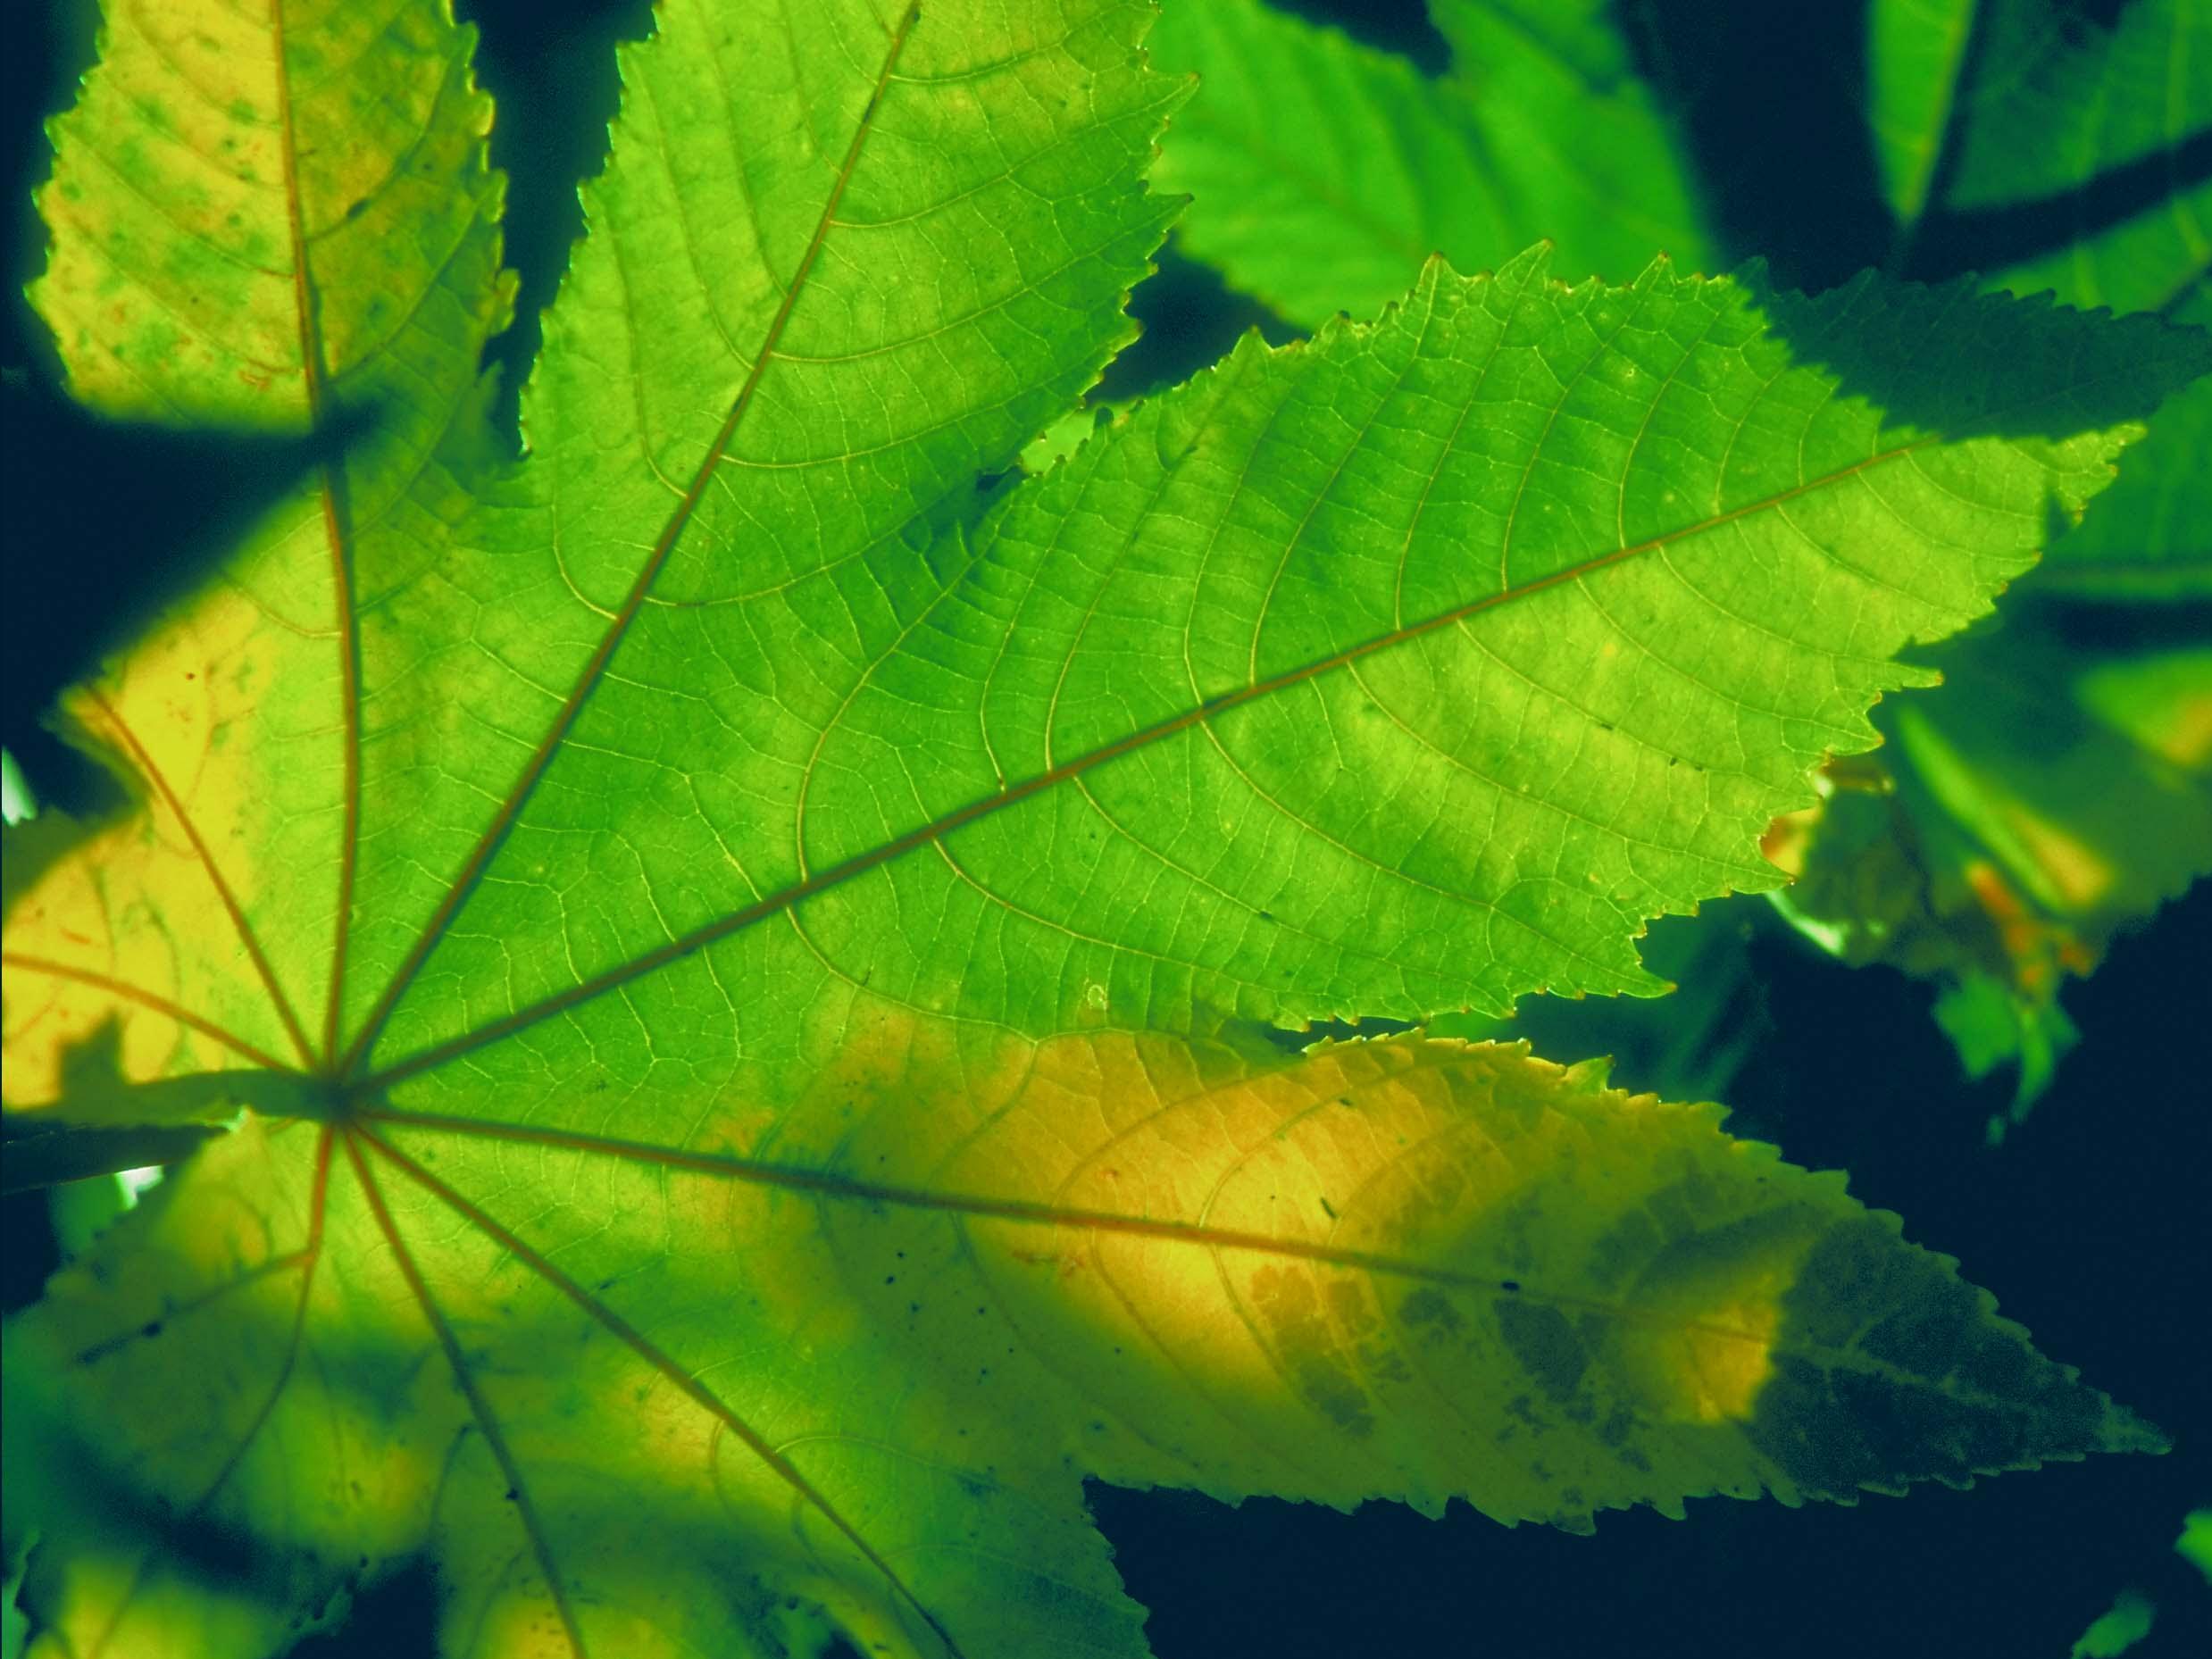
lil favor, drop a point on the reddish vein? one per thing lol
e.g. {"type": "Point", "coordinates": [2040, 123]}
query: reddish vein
{"type": "Point", "coordinates": [689, 1386]}
{"type": "Point", "coordinates": [776, 904]}
{"type": "Point", "coordinates": [571, 708]}
{"type": "Point", "coordinates": [145, 999]}
{"type": "Point", "coordinates": [965, 1203]}
{"type": "Point", "coordinates": [489, 1425]}
{"type": "Point", "coordinates": [728, 1166]}
{"type": "Point", "coordinates": [314, 372]}
{"type": "Point", "coordinates": [152, 774]}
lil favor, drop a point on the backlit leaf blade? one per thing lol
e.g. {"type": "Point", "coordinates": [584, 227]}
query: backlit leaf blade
{"type": "Point", "coordinates": [786, 338]}
{"type": "Point", "coordinates": [1917, 52]}
{"type": "Point", "coordinates": [1580, 582]}
{"type": "Point", "coordinates": [1323, 172]}
{"type": "Point", "coordinates": [478, 634]}
{"type": "Point", "coordinates": [850, 1361]}
{"type": "Point", "coordinates": [285, 229]}
{"type": "Point", "coordinates": [769, 822]}
{"type": "Point", "coordinates": [1326, 171]}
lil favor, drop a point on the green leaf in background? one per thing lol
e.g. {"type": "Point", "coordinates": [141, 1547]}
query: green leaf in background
{"type": "Point", "coordinates": [2133, 1615]}
{"type": "Point", "coordinates": [2054, 794]}
{"type": "Point", "coordinates": [17, 802]}
{"type": "Point", "coordinates": [739, 932]}
{"type": "Point", "coordinates": [2195, 1543]}
{"type": "Point", "coordinates": [2065, 149]}
{"type": "Point", "coordinates": [1323, 173]}
{"type": "Point", "coordinates": [2066, 139]}
{"type": "Point", "coordinates": [1916, 52]}
{"type": "Point", "coordinates": [2129, 1621]}
{"type": "Point", "coordinates": [2093, 134]}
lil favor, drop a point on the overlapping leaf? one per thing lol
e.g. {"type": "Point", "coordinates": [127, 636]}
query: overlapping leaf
{"type": "Point", "coordinates": [672, 876]}
{"type": "Point", "coordinates": [2057, 150]}
{"type": "Point", "coordinates": [2060, 792]}
{"type": "Point", "coordinates": [1323, 173]}
{"type": "Point", "coordinates": [850, 1380]}
{"type": "Point", "coordinates": [2076, 158]}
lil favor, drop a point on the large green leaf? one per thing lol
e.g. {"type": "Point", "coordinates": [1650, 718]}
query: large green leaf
{"type": "Point", "coordinates": [737, 933]}
{"type": "Point", "coordinates": [1324, 171]}
{"type": "Point", "coordinates": [1604, 572]}
{"type": "Point", "coordinates": [851, 1379]}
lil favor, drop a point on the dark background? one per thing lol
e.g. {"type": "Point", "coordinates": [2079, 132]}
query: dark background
{"type": "Point", "coordinates": [2090, 1222]}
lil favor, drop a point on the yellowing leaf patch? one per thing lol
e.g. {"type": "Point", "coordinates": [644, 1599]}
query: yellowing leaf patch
{"type": "Point", "coordinates": [865, 1355]}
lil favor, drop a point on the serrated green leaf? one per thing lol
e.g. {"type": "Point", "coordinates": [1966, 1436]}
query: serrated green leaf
{"type": "Point", "coordinates": [1324, 171]}
{"type": "Point", "coordinates": [1115, 819]}
{"type": "Point", "coordinates": [865, 1373]}
{"type": "Point", "coordinates": [751, 835]}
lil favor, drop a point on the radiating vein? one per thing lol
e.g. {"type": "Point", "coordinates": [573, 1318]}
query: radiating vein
{"type": "Point", "coordinates": [1132, 743]}
{"type": "Point", "coordinates": [495, 833]}
{"type": "Point", "coordinates": [314, 374]}
{"type": "Point", "coordinates": [660, 1361]}
{"type": "Point", "coordinates": [465, 1381]}
{"type": "Point", "coordinates": [244, 929]}
{"type": "Point", "coordinates": [145, 999]}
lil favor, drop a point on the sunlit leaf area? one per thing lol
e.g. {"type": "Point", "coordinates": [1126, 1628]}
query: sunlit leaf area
{"type": "Point", "coordinates": [1015, 828]}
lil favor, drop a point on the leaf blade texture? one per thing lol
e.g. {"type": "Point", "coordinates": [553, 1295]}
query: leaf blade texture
{"type": "Point", "coordinates": [1326, 171]}
{"type": "Point", "coordinates": [1414, 1268]}
{"type": "Point", "coordinates": [748, 836]}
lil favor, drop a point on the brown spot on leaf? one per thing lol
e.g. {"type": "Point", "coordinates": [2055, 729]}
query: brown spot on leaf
{"type": "Point", "coordinates": [1306, 1347]}
{"type": "Point", "coordinates": [1545, 1344]}
{"type": "Point", "coordinates": [1429, 1311]}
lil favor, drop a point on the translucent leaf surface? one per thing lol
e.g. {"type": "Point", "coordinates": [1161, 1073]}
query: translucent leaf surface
{"type": "Point", "coordinates": [1917, 54]}
{"type": "Point", "coordinates": [842, 1365]}
{"type": "Point", "coordinates": [638, 888]}
{"type": "Point", "coordinates": [1324, 172]}
{"type": "Point", "coordinates": [268, 224]}
{"type": "Point", "coordinates": [2103, 118]}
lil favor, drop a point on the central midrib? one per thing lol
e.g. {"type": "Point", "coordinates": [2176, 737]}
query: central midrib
{"type": "Point", "coordinates": [495, 834]}
{"type": "Point", "coordinates": [924, 835]}
{"type": "Point", "coordinates": [314, 376]}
